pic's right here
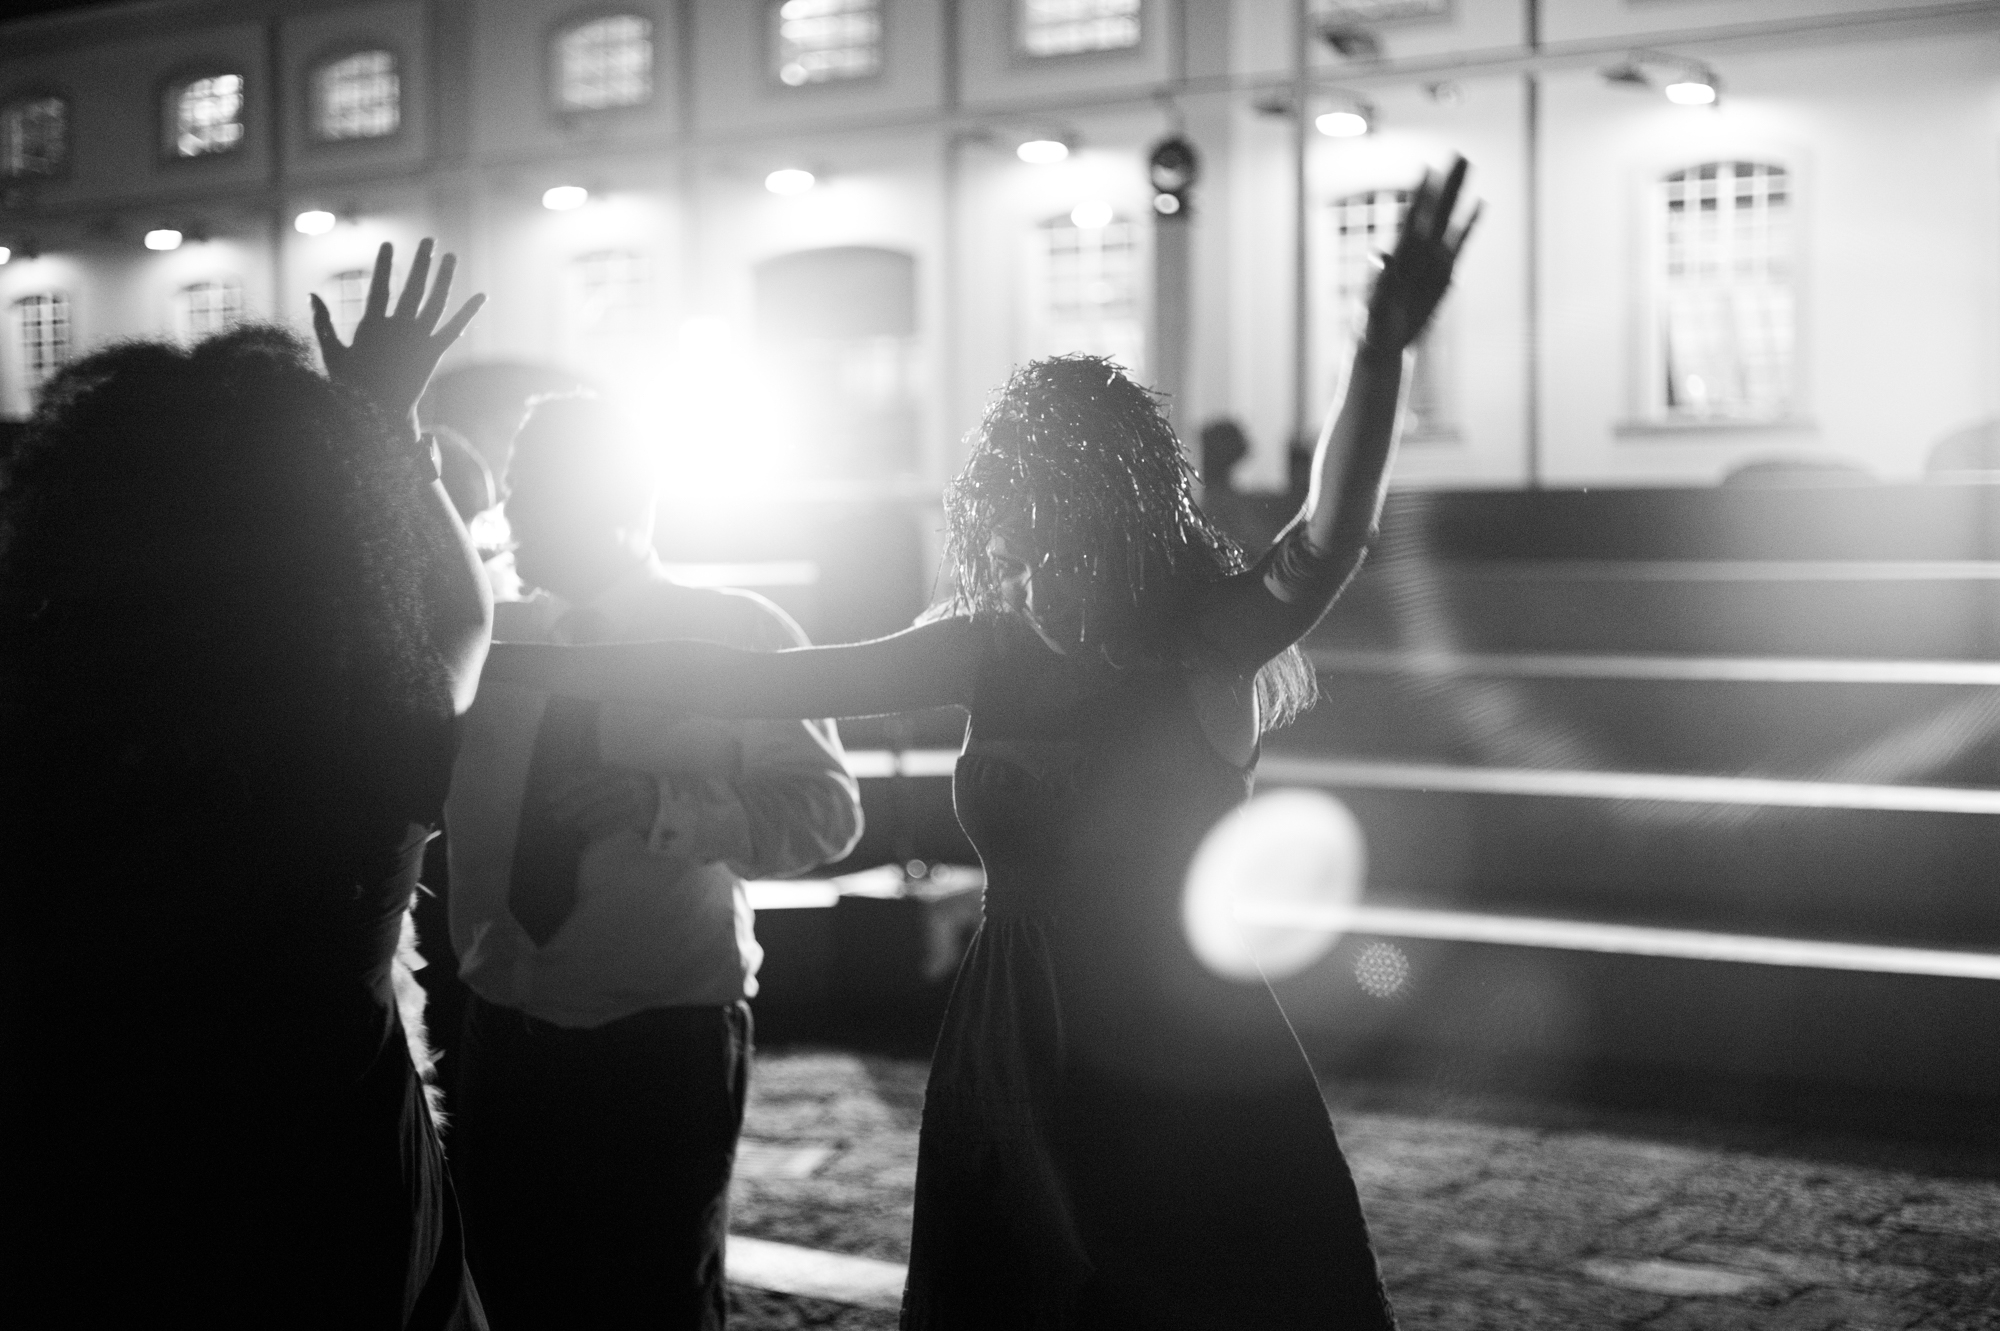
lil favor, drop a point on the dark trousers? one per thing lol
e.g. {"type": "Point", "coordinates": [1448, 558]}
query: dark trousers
{"type": "Point", "coordinates": [593, 1165]}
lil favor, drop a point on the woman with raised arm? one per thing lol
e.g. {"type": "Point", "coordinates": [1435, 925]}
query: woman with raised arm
{"type": "Point", "coordinates": [237, 617]}
{"type": "Point", "coordinates": [1112, 1137]}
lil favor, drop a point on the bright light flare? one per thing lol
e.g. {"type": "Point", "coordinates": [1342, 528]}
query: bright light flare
{"type": "Point", "coordinates": [165, 238]}
{"type": "Point", "coordinates": [1091, 214]}
{"type": "Point", "coordinates": [1342, 124]}
{"type": "Point", "coordinates": [1042, 152]}
{"type": "Point", "coordinates": [1691, 92]}
{"type": "Point", "coordinates": [5, 254]}
{"type": "Point", "coordinates": [563, 198]}
{"type": "Point", "coordinates": [1285, 853]}
{"type": "Point", "coordinates": [314, 222]}
{"type": "Point", "coordinates": [789, 180]}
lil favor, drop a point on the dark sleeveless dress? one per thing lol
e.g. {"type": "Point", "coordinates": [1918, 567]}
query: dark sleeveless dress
{"type": "Point", "coordinates": [1113, 1137]}
{"type": "Point", "coordinates": [210, 1103]}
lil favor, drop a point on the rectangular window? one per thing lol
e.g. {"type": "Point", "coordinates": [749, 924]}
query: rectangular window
{"type": "Point", "coordinates": [1071, 27]}
{"type": "Point", "coordinates": [613, 292]}
{"type": "Point", "coordinates": [358, 96]}
{"type": "Point", "coordinates": [34, 137]}
{"type": "Point", "coordinates": [1723, 271]}
{"type": "Point", "coordinates": [348, 298]}
{"type": "Point", "coordinates": [43, 330]}
{"type": "Point", "coordinates": [1363, 225]}
{"type": "Point", "coordinates": [206, 116]}
{"type": "Point", "coordinates": [1088, 292]}
{"type": "Point", "coordinates": [605, 63]}
{"type": "Point", "coordinates": [824, 41]}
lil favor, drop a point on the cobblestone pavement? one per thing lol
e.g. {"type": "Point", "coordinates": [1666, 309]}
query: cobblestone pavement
{"type": "Point", "coordinates": [1491, 1217]}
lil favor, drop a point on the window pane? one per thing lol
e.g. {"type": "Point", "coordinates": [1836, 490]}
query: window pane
{"type": "Point", "coordinates": [359, 96]}
{"type": "Point", "coordinates": [606, 62]}
{"type": "Point", "coordinates": [207, 307]}
{"type": "Point", "coordinates": [208, 116]}
{"type": "Point", "coordinates": [614, 291]}
{"type": "Point", "coordinates": [820, 41]}
{"type": "Point", "coordinates": [36, 136]}
{"type": "Point", "coordinates": [1364, 224]}
{"type": "Point", "coordinates": [1090, 298]}
{"type": "Point", "coordinates": [350, 298]}
{"type": "Point", "coordinates": [43, 322]}
{"type": "Point", "coordinates": [1725, 273]}
{"type": "Point", "coordinates": [1066, 27]}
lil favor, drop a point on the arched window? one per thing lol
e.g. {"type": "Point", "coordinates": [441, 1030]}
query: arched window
{"type": "Point", "coordinates": [204, 116]}
{"type": "Point", "coordinates": [42, 332]}
{"type": "Point", "coordinates": [1072, 27]}
{"type": "Point", "coordinates": [34, 136]}
{"type": "Point", "coordinates": [1363, 224]}
{"type": "Point", "coordinates": [825, 41]}
{"type": "Point", "coordinates": [1724, 322]}
{"type": "Point", "coordinates": [357, 96]}
{"type": "Point", "coordinates": [1087, 291]}
{"type": "Point", "coordinates": [203, 308]}
{"type": "Point", "coordinates": [603, 63]}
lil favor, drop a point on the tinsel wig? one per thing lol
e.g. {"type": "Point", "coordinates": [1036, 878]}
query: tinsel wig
{"type": "Point", "coordinates": [1078, 458]}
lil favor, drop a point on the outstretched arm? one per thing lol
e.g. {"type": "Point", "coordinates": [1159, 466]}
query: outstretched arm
{"type": "Point", "coordinates": [931, 665]}
{"type": "Point", "coordinates": [1256, 616]}
{"type": "Point", "coordinates": [390, 361]}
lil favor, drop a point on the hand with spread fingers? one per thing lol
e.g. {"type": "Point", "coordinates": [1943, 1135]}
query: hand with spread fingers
{"type": "Point", "coordinates": [393, 354]}
{"type": "Point", "coordinates": [1414, 278]}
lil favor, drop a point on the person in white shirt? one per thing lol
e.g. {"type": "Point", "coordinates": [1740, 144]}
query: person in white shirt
{"type": "Point", "coordinates": [597, 858]}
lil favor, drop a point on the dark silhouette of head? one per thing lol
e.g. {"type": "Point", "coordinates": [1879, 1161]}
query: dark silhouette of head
{"type": "Point", "coordinates": [216, 545]}
{"type": "Point", "coordinates": [1223, 445]}
{"type": "Point", "coordinates": [1075, 464]}
{"type": "Point", "coordinates": [580, 497]}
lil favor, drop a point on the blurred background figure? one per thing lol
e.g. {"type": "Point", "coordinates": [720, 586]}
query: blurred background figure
{"type": "Point", "coordinates": [239, 615]}
{"type": "Point", "coordinates": [598, 908]}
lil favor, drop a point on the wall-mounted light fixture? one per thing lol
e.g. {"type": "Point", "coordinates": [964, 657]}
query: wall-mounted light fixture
{"type": "Point", "coordinates": [163, 238]}
{"type": "Point", "coordinates": [790, 180]}
{"type": "Point", "coordinates": [314, 222]}
{"type": "Point", "coordinates": [565, 198]}
{"type": "Point", "coordinates": [1349, 122]}
{"type": "Point", "coordinates": [1684, 82]}
{"type": "Point", "coordinates": [1042, 152]}
{"type": "Point", "coordinates": [1172, 169]}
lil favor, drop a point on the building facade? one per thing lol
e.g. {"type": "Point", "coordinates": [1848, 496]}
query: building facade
{"type": "Point", "coordinates": [804, 238]}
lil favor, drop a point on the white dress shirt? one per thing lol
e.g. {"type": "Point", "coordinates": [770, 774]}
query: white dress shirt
{"type": "Point", "coordinates": [661, 917]}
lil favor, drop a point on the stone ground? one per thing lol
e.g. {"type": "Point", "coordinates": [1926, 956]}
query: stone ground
{"type": "Point", "coordinates": [1489, 1216]}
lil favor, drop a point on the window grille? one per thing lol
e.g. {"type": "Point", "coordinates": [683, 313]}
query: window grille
{"type": "Point", "coordinates": [1363, 225]}
{"type": "Point", "coordinates": [1724, 273]}
{"type": "Point", "coordinates": [43, 325]}
{"type": "Point", "coordinates": [34, 137]}
{"type": "Point", "coordinates": [207, 307]}
{"type": "Point", "coordinates": [824, 41]}
{"type": "Point", "coordinates": [350, 299]}
{"type": "Point", "coordinates": [207, 116]}
{"type": "Point", "coordinates": [604, 63]}
{"type": "Point", "coordinates": [614, 291]}
{"type": "Point", "coordinates": [1089, 293]}
{"type": "Point", "coordinates": [1070, 27]}
{"type": "Point", "coordinates": [358, 96]}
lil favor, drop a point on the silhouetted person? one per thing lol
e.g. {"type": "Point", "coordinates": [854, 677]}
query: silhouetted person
{"type": "Point", "coordinates": [239, 616]}
{"type": "Point", "coordinates": [599, 912]}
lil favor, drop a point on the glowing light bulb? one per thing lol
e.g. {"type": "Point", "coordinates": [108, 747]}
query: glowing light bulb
{"type": "Point", "coordinates": [1166, 205]}
{"type": "Point", "coordinates": [166, 238]}
{"type": "Point", "coordinates": [1342, 124]}
{"type": "Point", "coordinates": [314, 222]}
{"type": "Point", "coordinates": [789, 180]}
{"type": "Point", "coordinates": [1691, 92]}
{"type": "Point", "coordinates": [1041, 152]}
{"type": "Point", "coordinates": [1091, 214]}
{"type": "Point", "coordinates": [5, 254]}
{"type": "Point", "coordinates": [562, 198]}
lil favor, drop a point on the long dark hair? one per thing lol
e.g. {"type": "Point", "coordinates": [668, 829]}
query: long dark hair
{"type": "Point", "coordinates": [1079, 457]}
{"type": "Point", "coordinates": [218, 549]}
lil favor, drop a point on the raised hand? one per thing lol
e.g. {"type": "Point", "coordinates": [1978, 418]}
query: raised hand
{"type": "Point", "coordinates": [393, 354]}
{"type": "Point", "coordinates": [1414, 278]}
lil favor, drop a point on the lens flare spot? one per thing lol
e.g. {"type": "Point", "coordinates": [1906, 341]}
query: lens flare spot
{"type": "Point", "coordinates": [1266, 880]}
{"type": "Point", "coordinates": [1382, 971]}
